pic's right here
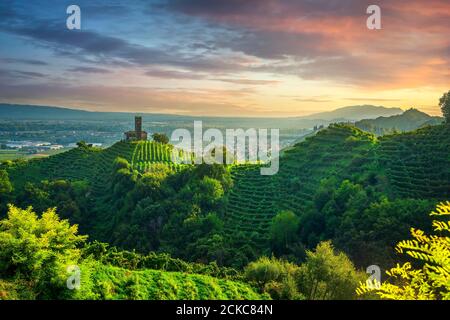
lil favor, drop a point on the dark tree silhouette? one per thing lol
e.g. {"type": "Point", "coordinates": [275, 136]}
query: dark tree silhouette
{"type": "Point", "coordinates": [160, 137]}
{"type": "Point", "coordinates": [444, 103]}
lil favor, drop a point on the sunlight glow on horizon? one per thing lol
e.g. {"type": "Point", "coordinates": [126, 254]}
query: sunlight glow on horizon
{"type": "Point", "coordinates": [225, 59]}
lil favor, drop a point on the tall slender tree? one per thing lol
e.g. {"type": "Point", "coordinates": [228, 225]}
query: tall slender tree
{"type": "Point", "coordinates": [444, 103]}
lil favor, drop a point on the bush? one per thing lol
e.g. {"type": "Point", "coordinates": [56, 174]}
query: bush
{"type": "Point", "coordinates": [328, 275]}
{"type": "Point", "coordinates": [275, 277]}
{"type": "Point", "coordinates": [283, 230]}
{"type": "Point", "coordinates": [38, 250]}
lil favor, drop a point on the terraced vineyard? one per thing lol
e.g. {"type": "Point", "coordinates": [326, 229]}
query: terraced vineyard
{"type": "Point", "coordinates": [256, 199]}
{"type": "Point", "coordinates": [148, 153]}
{"type": "Point", "coordinates": [75, 164]}
{"type": "Point", "coordinates": [251, 202]}
{"type": "Point", "coordinates": [331, 152]}
{"type": "Point", "coordinates": [104, 163]}
{"type": "Point", "coordinates": [415, 164]}
{"type": "Point", "coordinates": [95, 165]}
{"type": "Point", "coordinates": [418, 163]}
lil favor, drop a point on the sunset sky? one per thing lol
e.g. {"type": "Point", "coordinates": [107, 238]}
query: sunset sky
{"type": "Point", "coordinates": [230, 57]}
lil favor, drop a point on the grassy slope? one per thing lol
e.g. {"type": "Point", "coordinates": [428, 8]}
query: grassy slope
{"type": "Point", "coordinates": [112, 283]}
{"type": "Point", "coordinates": [116, 283]}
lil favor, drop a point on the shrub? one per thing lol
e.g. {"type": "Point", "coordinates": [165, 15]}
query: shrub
{"type": "Point", "coordinates": [328, 275]}
{"type": "Point", "coordinates": [38, 249]}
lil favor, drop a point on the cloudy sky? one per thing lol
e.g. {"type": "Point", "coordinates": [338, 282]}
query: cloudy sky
{"type": "Point", "coordinates": [225, 57]}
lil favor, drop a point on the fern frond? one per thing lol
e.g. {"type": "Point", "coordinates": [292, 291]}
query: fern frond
{"type": "Point", "coordinates": [432, 281]}
{"type": "Point", "coordinates": [442, 209]}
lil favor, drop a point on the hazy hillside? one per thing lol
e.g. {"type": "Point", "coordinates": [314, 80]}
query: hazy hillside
{"type": "Point", "coordinates": [355, 113]}
{"type": "Point", "coordinates": [409, 120]}
{"type": "Point", "coordinates": [33, 112]}
{"type": "Point", "coordinates": [352, 113]}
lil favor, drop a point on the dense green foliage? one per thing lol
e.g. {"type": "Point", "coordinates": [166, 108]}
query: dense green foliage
{"type": "Point", "coordinates": [36, 253]}
{"type": "Point", "coordinates": [5, 189]}
{"type": "Point", "coordinates": [5, 184]}
{"type": "Point", "coordinates": [37, 250]}
{"type": "Point", "coordinates": [117, 283]}
{"type": "Point", "coordinates": [328, 275]}
{"type": "Point", "coordinates": [283, 230]}
{"type": "Point", "coordinates": [325, 275]}
{"type": "Point", "coordinates": [274, 276]}
{"type": "Point", "coordinates": [342, 184]}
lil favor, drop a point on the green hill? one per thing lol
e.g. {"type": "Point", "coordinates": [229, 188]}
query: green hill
{"type": "Point", "coordinates": [339, 150]}
{"type": "Point", "coordinates": [255, 199]}
{"type": "Point", "coordinates": [75, 164]}
{"type": "Point", "coordinates": [413, 165]}
{"type": "Point", "coordinates": [417, 164]}
{"type": "Point", "coordinates": [93, 164]}
{"type": "Point", "coordinates": [410, 165]}
{"type": "Point", "coordinates": [409, 120]}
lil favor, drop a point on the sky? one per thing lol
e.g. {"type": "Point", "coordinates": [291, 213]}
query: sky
{"type": "Point", "coordinates": [270, 58]}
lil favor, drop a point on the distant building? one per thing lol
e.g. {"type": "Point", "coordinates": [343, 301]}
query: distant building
{"type": "Point", "coordinates": [318, 127]}
{"type": "Point", "coordinates": [53, 147]}
{"type": "Point", "coordinates": [137, 134]}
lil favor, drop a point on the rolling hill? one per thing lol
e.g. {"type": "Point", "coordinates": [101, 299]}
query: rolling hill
{"type": "Point", "coordinates": [407, 160]}
{"type": "Point", "coordinates": [409, 120]}
{"type": "Point", "coordinates": [411, 168]}
{"type": "Point", "coordinates": [255, 199]}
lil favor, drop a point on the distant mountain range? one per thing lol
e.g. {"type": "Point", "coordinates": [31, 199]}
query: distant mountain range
{"type": "Point", "coordinates": [352, 113]}
{"type": "Point", "coordinates": [409, 120]}
{"type": "Point", "coordinates": [34, 112]}
{"type": "Point", "coordinates": [355, 113]}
